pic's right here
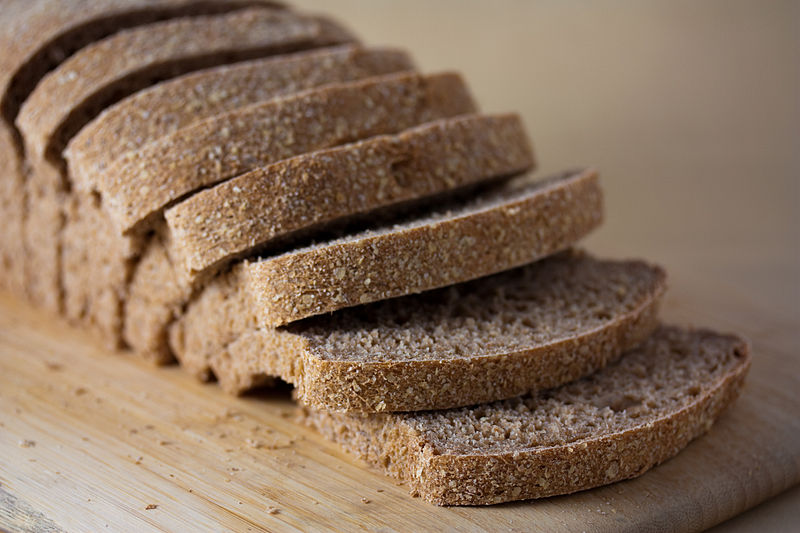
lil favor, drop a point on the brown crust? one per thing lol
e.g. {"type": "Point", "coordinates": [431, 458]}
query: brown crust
{"type": "Point", "coordinates": [417, 258]}
{"type": "Point", "coordinates": [135, 56]}
{"type": "Point", "coordinates": [371, 386]}
{"type": "Point", "coordinates": [401, 450]}
{"type": "Point", "coordinates": [141, 183]}
{"type": "Point", "coordinates": [237, 216]}
{"type": "Point", "coordinates": [174, 104]}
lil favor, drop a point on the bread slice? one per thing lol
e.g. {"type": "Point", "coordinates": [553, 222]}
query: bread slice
{"type": "Point", "coordinates": [273, 203]}
{"type": "Point", "coordinates": [177, 103]}
{"type": "Point", "coordinates": [517, 223]}
{"type": "Point", "coordinates": [613, 425]}
{"type": "Point", "coordinates": [143, 182]}
{"type": "Point", "coordinates": [531, 328]}
{"type": "Point", "coordinates": [96, 75]}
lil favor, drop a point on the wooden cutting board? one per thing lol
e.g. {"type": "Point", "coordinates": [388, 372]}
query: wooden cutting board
{"type": "Point", "coordinates": [93, 441]}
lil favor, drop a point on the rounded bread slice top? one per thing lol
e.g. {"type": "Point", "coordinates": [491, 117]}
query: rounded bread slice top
{"type": "Point", "coordinates": [91, 78]}
{"type": "Point", "coordinates": [255, 209]}
{"type": "Point", "coordinates": [612, 425]}
{"type": "Point", "coordinates": [174, 104]}
{"type": "Point", "coordinates": [141, 183]}
{"type": "Point", "coordinates": [534, 327]}
{"type": "Point", "coordinates": [517, 223]}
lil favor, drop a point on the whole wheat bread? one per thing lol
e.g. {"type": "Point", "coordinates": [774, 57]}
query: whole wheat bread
{"type": "Point", "coordinates": [613, 425]}
{"type": "Point", "coordinates": [171, 105]}
{"type": "Point", "coordinates": [516, 223]}
{"type": "Point", "coordinates": [531, 328]}
{"type": "Point", "coordinates": [276, 202]}
{"type": "Point", "coordinates": [649, 405]}
{"type": "Point", "coordinates": [405, 100]}
{"type": "Point", "coordinates": [141, 183]}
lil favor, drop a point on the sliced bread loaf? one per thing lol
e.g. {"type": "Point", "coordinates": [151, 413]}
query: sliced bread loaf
{"type": "Point", "coordinates": [271, 204]}
{"type": "Point", "coordinates": [531, 328]}
{"type": "Point", "coordinates": [96, 76]}
{"type": "Point", "coordinates": [613, 425]}
{"type": "Point", "coordinates": [514, 224]}
{"type": "Point", "coordinates": [174, 104]}
{"type": "Point", "coordinates": [142, 182]}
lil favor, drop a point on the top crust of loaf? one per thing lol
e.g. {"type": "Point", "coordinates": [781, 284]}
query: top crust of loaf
{"type": "Point", "coordinates": [160, 49]}
{"type": "Point", "coordinates": [613, 425]}
{"type": "Point", "coordinates": [174, 104]}
{"type": "Point", "coordinates": [143, 182]}
{"type": "Point", "coordinates": [271, 203]}
{"type": "Point", "coordinates": [35, 37]}
{"type": "Point", "coordinates": [519, 223]}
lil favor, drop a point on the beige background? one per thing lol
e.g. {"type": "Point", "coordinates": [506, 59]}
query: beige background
{"type": "Point", "coordinates": [690, 110]}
